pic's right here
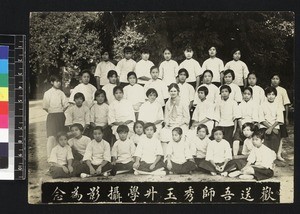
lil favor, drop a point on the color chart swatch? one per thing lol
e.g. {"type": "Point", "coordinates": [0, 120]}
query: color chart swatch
{"type": "Point", "coordinates": [4, 105]}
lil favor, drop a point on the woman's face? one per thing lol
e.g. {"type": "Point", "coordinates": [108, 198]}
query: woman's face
{"type": "Point", "coordinates": [173, 92]}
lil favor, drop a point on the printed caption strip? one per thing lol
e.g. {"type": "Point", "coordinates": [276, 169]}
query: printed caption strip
{"type": "Point", "coordinates": [4, 105]}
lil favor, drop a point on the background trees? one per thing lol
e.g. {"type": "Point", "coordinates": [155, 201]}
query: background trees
{"type": "Point", "coordinates": [66, 42]}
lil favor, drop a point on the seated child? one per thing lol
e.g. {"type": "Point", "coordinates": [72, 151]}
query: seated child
{"type": "Point", "coordinates": [260, 160]}
{"type": "Point", "coordinates": [218, 155]}
{"type": "Point", "coordinates": [134, 93]}
{"type": "Point", "coordinates": [179, 159]}
{"type": "Point", "coordinates": [120, 112]}
{"type": "Point", "coordinates": [99, 115]}
{"type": "Point", "coordinates": [97, 156]}
{"type": "Point", "coordinates": [87, 89]}
{"type": "Point", "coordinates": [78, 113]}
{"type": "Point", "coordinates": [198, 144]}
{"type": "Point", "coordinates": [151, 111]}
{"type": "Point", "coordinates": [149, 152]}
{"type": "Point", "coordinates": [122, 152]}
{"type": "Point", "coordinates": [109, 87]}
{"type": "Point", "coordinates": [138, 129]}
{"type": "Point", "coordinates": [227, 113]}
{"type": "Point", "coordinates": [61, 158]}
{"type": "Point", "coordinates": [79, 142]}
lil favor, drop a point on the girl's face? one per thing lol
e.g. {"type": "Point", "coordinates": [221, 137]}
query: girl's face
{"type": "Point", "coordinates": [252, 80]}
{"type": "Point", "coordinates": [145, 56]}
{"type": "Point", "coordinates": [212, 52]}
{"type": "Point", "coordinates": [123, 135]}
{"type": "Point", "coordinates": [154, 73]}
{"type": "Point", "coordinates": [271, 97]}
{"type": "Point", "coordinates": [105, 56]}
{"type": "Point", "coordinates": [176, 136]}
{"type": "Point", "coordinates": [201, 133]}
{"type": "Point", "coordinates": [247, 132]}
{"type": "Point", "coordinates": [207, 78]}
{"type": "Point", "coordinates": [56, 84]}
{"type": "Point", "coordinates": [228, 78]}
{"type": "Point", "coordinates": [100, 98]}
{"type": "Point", "coordinates": [152, 97]}
{"type": "Point", "coordinates": [112, 79]}
{"type": "Point", "coordinates": [128, 55]}
{"type": "Point", "coordinates": [98, 135]}
{"type": "Point", "coordinates": [275, 81]}
{"type": "Point", "coordinates": [78, 102]}
{"type": "Point", "coordinates": [237, 55]}
{"type": "Point", "coordinates": [257, 142]}
{"type": "Point", "coordinates": [167, 55]}
{"type": "Point", "coordinates": [218, 136]}
{"type": "Point", "coordinates": [182, 77]}
{"type": "Point", "coordinates": [139, 129]}
{"type": "Point", "coordinates": [173, 92]}
{"type": "Point", "coordinates": [188, 54]}
{"type": "Point", "coordinates": [62, 141]}
{"type": "Point", "coordinates": [247, 95]}
{"type": "Point", "coordinates": [201, 95]}
{"type": "Point", "coordinates": [85, 78]}
{"type": "Point", "coordinates": [119, 95]}
{"type": "Point", "coordinates": [225, 94]}
{"type": "Point", "coordinates": [76, 132]}
{"type": "Point", "coordinates": [132, 80]}
{"type": "Point", "coordinates": [149, 132]}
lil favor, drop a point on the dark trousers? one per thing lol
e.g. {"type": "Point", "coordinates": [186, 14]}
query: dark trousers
{"type": "Point", "coordinates": [121, 167]}
{"type": "Point", "coordinates": [240, 163]}
{"type": "Point", "coordinates": [58, 172]}
{"type": "Point", "coordinates": [77, 156]}
{"type": "Point", "coordinates": [193, 84]}
{"type": "Point", "coordinates": [206, 165]}
{"type": "Point", "coordinates": [146, 166]}
{"type": "Point", "coordinates": [263, 173]}
{"type": "Point", "coordinates": [272, 141]}
{"type": "Point", "coordinates": [83, 168]}
{"type": "Point", "coordinates": [184, 168]}
{"type": "Point", "coordinates": [228, 134]}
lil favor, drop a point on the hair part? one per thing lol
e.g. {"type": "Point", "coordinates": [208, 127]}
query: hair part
{"type": "Point", "coordinates": [147, 125]}
{"type": "Point", "coordinates": [202, 126]}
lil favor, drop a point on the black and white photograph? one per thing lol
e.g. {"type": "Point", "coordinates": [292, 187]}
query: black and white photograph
{"type": "Point", "coordinates": [161, 107]}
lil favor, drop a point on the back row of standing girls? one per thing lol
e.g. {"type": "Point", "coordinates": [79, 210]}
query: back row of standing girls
{"type": "Point", "coordinates": [211, 108]}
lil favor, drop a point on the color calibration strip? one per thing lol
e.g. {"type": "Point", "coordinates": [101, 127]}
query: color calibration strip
{"type": "Point", "coordinates": [4, 106]}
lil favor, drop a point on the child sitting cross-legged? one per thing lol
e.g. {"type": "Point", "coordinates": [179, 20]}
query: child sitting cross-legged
{"type": "Point", "coordinates": [122, 152]}
{"type": "Point", "coordinates": [179, 159]}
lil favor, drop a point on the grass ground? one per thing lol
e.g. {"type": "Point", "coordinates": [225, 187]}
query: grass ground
{"type": "Point", "coordinates": [38, 166]}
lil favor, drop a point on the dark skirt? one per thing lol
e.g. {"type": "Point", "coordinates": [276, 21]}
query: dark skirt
{"type": "Point", "coordinates": [55, 123]}
{"type": "Point", "coordinates": [238, 135]}
{"type": "Point", "coordinates": [272, 141]}
{"type": "Point", "coordinates": [228, 134]}
{"type": "Point", "coordinates": [193, 84]}
{"type": "Point", "coordinates": [283, 129]}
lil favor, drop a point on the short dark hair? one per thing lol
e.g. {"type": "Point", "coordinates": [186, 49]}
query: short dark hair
{"type": "Point", "coordinates": [77, 125]}
{"type": "Point", "coordinates": [270, 89]}
{"type": "Point", "coordinates": [235, 50]}
{"type": "Point", "coordinates": [188, 48]}
{"type": "Point", "coordinates": [203, 126]}
{"type": "Point", "coordinates": [118, 88]}
{"type": "Point", "coordinates": [173, 85]}
{"type": "Point", "coordinates": [183, 70]}
{"type": "Point", "coordinates": [252, 126]}
{"type": "Point", "coordinates": [249, 89]}
{"type": "Point", "coordinates": [204, 89]}
{"type": "Point", "coordinates": [260, 133]}
{"type": "Point", "coordinates": [85, 71]}
{"type": "Point", "coordinates": [127, 49]}
{"type": "Point", "coordinates": [136, 123]}
{"type": "Point", "coordinates": [60, 134]}
{"type": "Point", "coordinates": [122, 128]}
{"type": "Point", "coordinates": [252, 73]}
{"type": "Point", "coordinates": [147, 125]}
{"type": "Point", "coordinates": [150, 91]}
{"type": "Point", "coordinates": [154, 67]}
{"type": "Point", "coordinates": [167, 48]}
{"type": "Point", "coordinates": [79, 95]}
{"type": "Point", "coordinates": [275, 74]}
{"type": "Point", "coordinates": [100, 91]}
{"type": "Point", "coordinates": [111, 73]}
{"type": "Point", "coordinates": [217, 128]}
{"type": "Point", "coordinates": [145, 50]}
{"type": "Point", "coordinates": [54, 77]}
{"type": "Point", "coordinates": [229, 71]}
{"type": "Point", "coordinates": [131, 73]}
{"type": "Point", "coordinates": [212, 46]}
{"type": "Point", "coordinates": [103, 51]}
{"type": "Point", "coordinates": [178, 130]}
{"type": "Point", "coordinates": [208, 71]}
{"type": "Point", "coordinates": [98, 128]}
{"type": "Point", "coordinates": [225, 87]}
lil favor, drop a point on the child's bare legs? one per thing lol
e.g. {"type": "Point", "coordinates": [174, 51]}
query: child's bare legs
{"type": "Point", "coordinates": [279, 157]}
{"type": "Point", "coordinates": [235, 147]}
{"type": "Point", "coordinates": [51, 143]}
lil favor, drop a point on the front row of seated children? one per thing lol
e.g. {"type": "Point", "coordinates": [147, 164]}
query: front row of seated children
{"type": "Point", "coordinates": [145, 156]}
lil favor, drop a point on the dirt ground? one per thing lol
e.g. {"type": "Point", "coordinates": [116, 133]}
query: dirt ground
{"type": "Point", "coordinates": [38, 166]}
